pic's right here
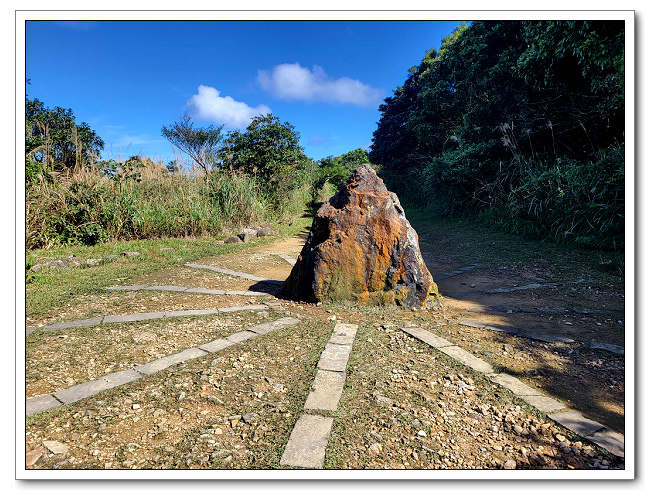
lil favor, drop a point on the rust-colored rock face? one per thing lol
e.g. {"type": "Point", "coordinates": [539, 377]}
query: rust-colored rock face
{"type": "Point", "coordinates": [362, 248]}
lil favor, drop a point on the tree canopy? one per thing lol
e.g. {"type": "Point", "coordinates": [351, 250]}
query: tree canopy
{"type": "Point", "coordinates": [337, 170]}
{"type": "Point", "coordinates": [54, 141]}
{"type": "Point", "coordinates": [266, 148]}
{"type": "Point", "coordinates": [202, 144]}
{"type": "Point", "coordinates": [501, 100]}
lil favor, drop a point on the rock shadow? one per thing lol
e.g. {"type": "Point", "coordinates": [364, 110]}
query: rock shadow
{"type": "Point", "coordinates": [272, 287]}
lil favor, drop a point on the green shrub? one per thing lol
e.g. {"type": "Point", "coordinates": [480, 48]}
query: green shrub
{"type": "Point", "coordinates": [143, 201]}
{"type": "Point", "coordinates": [576, 202]}
{"type": "Point", "coordinates": [231, 197]}
{"type": "Point", "coordinates": [455, 182]}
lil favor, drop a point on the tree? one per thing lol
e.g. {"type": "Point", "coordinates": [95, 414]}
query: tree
{"type": "Point", "coordinates": [267, 148]}
{"type": "Point", "coordinates": [396, 146]}
{"type": "Point", "coordinates": [509, 116]}
{"type": "Point", "coordinates": [337, 170]}
{"type": "Point", "coordinates": [201, 144]}
{"type": "Point", "coordinates": [53, 141]}
{"type": "Point", "coordinates": [577, 70]}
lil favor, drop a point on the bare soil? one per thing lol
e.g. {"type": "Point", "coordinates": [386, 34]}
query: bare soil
{"type": "Point", "coordinates": [405, 405]}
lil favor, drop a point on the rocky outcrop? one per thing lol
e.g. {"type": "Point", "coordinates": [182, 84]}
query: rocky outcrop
{"type": "Point", "coordinates": [362, 248]}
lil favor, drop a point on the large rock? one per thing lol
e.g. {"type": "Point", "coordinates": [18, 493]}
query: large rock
{"type": "Point", "coordinates": [362, 248]}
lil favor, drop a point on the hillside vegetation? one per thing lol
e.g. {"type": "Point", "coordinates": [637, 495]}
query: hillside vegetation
{"type": "Point", "coordinates": [519, 124]}
{"type": "Point", "coordinates": [515, 124]}
{"type": "Point", "coordinates": [259, 175]}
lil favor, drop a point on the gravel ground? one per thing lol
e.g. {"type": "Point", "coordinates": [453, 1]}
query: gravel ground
{"type": "Point", "coordinates": [404, 405]}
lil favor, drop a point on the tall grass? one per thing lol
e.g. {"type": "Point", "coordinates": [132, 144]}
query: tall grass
{"type": "Point", "coordinates": [563, 200]}
{"type": "Point", "coordinates": [575, 202]}
{"type": "Point", "coordinates": [87, 208]}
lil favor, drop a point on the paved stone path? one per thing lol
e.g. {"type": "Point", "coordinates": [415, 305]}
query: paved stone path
{"type": "Point", "coordinates": [593, 431]}
{"type": "Point", "coordinates": [144, 317]}
{"type": "Point", "coordinates": [546, 310]}
{"type": "Point", "coordinates": [174, 288]}
{"type": "Point", "coordinates": [92, 387]}
{"type": "Point", "coordinates": [542, 337]}
{"type": "Point", "coordinates": [170, 288]}
{"type": "Point", "coordinates": [531, 286]}
{"type": "Point", "coordinates": [288, 258]}
{"type": "Point", "coordinates": [308, 440]}
{"type": "Point", "coordinates": [450, 274]}
{"type": "Point", "coordinates": [238, 274]}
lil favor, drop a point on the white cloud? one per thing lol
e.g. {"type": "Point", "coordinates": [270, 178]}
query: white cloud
{"type": "Point", "coordinates": [208, 105]}
{"type": "Point", "coordinates": [292, 81]}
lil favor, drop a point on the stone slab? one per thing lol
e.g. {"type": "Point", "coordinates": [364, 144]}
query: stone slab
{"type": "Point", "coordinates": [344, 333]}
{"type": "Point", "coordinates": [216, 345]}
{"type": "Point", "coordinates": [191, 312]}
{"type": "Point", "coordinates": [40, 403]}
{"type": "Point", "coordinates": [92, 387]}
{"type": "Point", "coordinates": [30, 329]}
{"type": "Point", "coordinates": [326, 391]}
{"type": "Point", "coordinates": [616, 349]}
{"type": "Point", "coordinates": [286, 321]}
{"type": "Point", "coordinates": [334, 357]}
{"type": "Point", "coordinates": [227, 271]}
{"type": "Point", "coordinates": [167, 361]}
{"type": "Point", "coordinates": [610, 440]}
{"type": "Point", "coordinates": [544, 337]}
{"type": "Point", "coordinates": [205, 290]}
{"type": "Point", "coordinates": [502, 328]}
{"type": "Point", "coordinates": [81, 391]}
{"type": "Point", "coordinates": [73, 324]}
{"type": "Point", "coordinates": [427, 337]}
{"type": "Point", "coordinates": [167, 288]}
{"type": "Point", "coordinates": [444, 276]}
{"type": "Point", "coordinates": [32, 456]}
{"type": "Point", "coordinates": [543, 403]}
{"type": "Point", "coordinates": [288, 258]}
{"type": "Point", "coordinates": [235, 292]}
{"type": "Point", "coordinates": [514, 385]}
{"type": "Point", "coordinates": [254, 307]}
{"type": "Point", "coordinates": [456, 272]}
{"type": "Point", "coordinates": [133, 317]}
{"type": "Point", "coordinates": [472, 323]}
{"type": "Point", "coordinates": [531, 286]}
{"type": "Point", "coordinates": [467, 359]}
{"type": "Point", "coordinates": [120, 378]}
{"type": "Point", "coordinates": [307, 442]}
{"type": "Point", "coordinates": [274, 325]}
{"type": "Point", "coordinates": [127, 287]}
{"type": "Point", "coordinates": [575, 422]}
{"type": "Point", "coordinates": [235, 338]}
{"type": "Point", "coordinates": [247, 276]}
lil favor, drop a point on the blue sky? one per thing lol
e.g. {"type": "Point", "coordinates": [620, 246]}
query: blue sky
{"type": "Point", "coordinates": [127, 79]}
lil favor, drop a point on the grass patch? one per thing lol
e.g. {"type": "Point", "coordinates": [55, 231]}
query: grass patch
{"type": "Point", "coordinates": [57, 287]}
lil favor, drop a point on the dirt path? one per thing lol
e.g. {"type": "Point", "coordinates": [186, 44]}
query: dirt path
{"type": "Point", "coordinates": [586, 378]}
{"type": "Point", "coordinates": [582, 373]}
